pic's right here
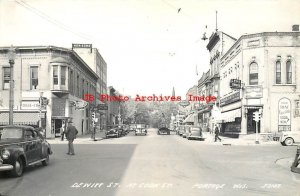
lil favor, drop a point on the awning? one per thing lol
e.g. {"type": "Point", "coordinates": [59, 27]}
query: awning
{"type": "Point", "coordinates": [24, 118]}
{"type": "Point", "coordinates": [190, 118]}
{"type": "Point", "coordinates": [231, 115]}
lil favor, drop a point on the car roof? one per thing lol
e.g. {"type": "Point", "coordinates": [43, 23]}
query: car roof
{"type": "Point", "coordinates": [17, 126]}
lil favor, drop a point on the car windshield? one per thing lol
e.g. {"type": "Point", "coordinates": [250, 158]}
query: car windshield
{"type": "Point", "coordinates": [10, 133]}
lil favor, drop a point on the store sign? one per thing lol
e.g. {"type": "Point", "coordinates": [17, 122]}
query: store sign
{"type": "Point", "coordinates": [102, 107]}
{"type": "Point", "coordinates": [184, 103]}
{"type": "Point", "coordinates": [30, 105]}
{"type": "Point", "coordinates": [235, 83]}
{"type": "Point", "coordinates": [284, 115]}
{"type": "Point", "coordinates": [81, 46]}
{"type": "Point", "coordinates": [253, 92]}
{"type": "Point", "coordinates": [230, 98]}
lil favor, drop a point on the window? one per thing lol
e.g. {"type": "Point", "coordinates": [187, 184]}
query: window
{"type": "Point", "coordinates": [6, 77]}
{"type": "Point", "coordinates": [71, 86]}
{"type": "Point", "coordinates": [288, 72]}
{"type": "Point", "coordinates": [34, 78]}
{"type": "Point", "coordinates": [253, 74]}
{"type": "Point", "coordinates": [278, 72]}
{"type": "Point", "coordinates": [55, 75]}
{"type": "Point", "coordinates": [63, 75]}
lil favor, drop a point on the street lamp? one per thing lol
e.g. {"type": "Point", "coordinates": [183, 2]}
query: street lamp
{"type": "Point", "coordinates": [11, 57]}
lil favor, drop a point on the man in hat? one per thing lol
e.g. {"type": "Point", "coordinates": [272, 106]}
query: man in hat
{"type": "Point", "coordinates": [71, 133]}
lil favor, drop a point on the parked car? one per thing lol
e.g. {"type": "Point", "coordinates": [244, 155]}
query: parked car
{"type": "Point", "coordinates": [163, 130]}
{"type": "Point", "coordinates": [112, 132]}
{"type": "Point", "coordinates": [185, 131]}
{"type": "Point", "coordinates": [288, 138]}
{"type": "Point", "coordinates": [140, 129]}
{"type": "Point", "coordinates": [20, 147]}
{"type": "Point", "coordinates": [194, 133]}
{"type": "Point", "coordinates": [180, 130]}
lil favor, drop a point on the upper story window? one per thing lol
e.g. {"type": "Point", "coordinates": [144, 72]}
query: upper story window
{"type": "Point", "coordinates": [34, 77]}
{"type": "Point", "coordinates": [63, 70]}
{"type": "Point", "coordinates": [278, 72]}
{"type": "Point", "coordinates": [253, 74]}
{"type": "Point", "coordinates": [288, 72]}
{"type": "Point", "coordinates": [6, 78]}
{"type": "Point", "coordinates": [55, 75]}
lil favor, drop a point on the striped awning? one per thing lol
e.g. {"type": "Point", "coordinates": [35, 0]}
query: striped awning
{"type": "Point", "coordinates": [24, 118]}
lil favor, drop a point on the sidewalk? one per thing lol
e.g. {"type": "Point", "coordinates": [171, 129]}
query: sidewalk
{"type": "Point", "coordinates": [80, 139]}
{"type": "Point", "coordinates": [210, 139]}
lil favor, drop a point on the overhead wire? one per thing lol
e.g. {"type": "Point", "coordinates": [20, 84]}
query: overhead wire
{"type": "Point", "coordinates": [51, 20]}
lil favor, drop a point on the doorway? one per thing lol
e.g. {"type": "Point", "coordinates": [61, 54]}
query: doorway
{"type": "Point", "coordinates": [57, 125]}
{"type": "Point", "coordinates": [251, 124]}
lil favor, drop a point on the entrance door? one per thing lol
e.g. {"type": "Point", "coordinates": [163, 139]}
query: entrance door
{"type": "Point", "coordinates": [57, 125]}
{"type": "Point", "coordinates": [251, 124]}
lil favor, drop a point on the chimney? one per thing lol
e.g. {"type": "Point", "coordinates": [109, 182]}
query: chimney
{"type": "Point", "coordinates": [295, 28]}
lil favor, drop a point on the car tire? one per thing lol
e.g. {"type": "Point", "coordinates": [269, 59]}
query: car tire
{"type": "Point", "coordinates": [289, 141]}
{"type": "Point", "coordinates": [46, 162]}
{"type": "Point", "coordinates": [282, 143]}
{"type": "Point", "coordinates": [18, 168]}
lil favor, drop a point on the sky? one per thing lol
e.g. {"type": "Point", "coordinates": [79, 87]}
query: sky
{"type": "Point", "coordinates": [150, 46]}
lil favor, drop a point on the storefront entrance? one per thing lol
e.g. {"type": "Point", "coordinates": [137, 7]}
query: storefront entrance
{"type": "Point", "coordinates": [251, 124]}
{"type": "Point", "coordinates": [57, 124]}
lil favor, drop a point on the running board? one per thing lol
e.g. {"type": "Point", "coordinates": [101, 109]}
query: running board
{"type": "Point", "coordinates": [35, 162]}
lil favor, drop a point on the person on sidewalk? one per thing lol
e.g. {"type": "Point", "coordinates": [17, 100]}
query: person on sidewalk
{"type": "Point", "coordinates": [217, 132]}
{"type": "Point", "coordinates": [71, 133]}
{"type": "Point", "coordinates": [62, 133]}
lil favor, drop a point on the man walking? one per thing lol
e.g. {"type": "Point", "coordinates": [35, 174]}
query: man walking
{"type": "Point", "coordinates": [71, 135]}
{"type": "Point", "coordinates": [217, 132]}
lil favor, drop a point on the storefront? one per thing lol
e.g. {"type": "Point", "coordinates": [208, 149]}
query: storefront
{"type": "Point", "coordinates": [231, 113]}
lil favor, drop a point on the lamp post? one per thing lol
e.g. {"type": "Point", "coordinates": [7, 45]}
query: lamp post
{"type": "Point", "coordinates": [11, 56]}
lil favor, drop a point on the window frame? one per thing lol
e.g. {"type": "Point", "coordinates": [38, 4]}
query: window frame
{"type": "Point", "coordinates": [3, 74]}
{"type": "Point", "coordinates": [31, 68]}
{"type": "Point", "coordinates": [251, 74]}
{"type": "Point", "coordinates": [289, 74]}
{"type": "Point", "coordinates": [278, 80]}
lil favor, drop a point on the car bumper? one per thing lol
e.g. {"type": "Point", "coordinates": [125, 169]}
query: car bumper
{"type": "Point", "coordinates": [6, 167]}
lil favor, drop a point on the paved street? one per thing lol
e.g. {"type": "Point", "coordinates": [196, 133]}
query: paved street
{"type": "Point", "coordinates": [158, 165]}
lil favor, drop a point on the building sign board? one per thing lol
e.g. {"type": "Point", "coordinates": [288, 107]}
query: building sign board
{"type": "Point", "coordinates": [102, 107]}
{"type": "Point", "coordinates": [284, 115]}
{"type": "Point", "coordinates": [30, 105]}
{"type": "Point", "coordinates": [235, 83]}
{"type": "Point", "coordinates": [234, 97]}
{"type": "Point", "coordinates": [81, 46]}
{"type": "Point", "coordinates": [253, 92]}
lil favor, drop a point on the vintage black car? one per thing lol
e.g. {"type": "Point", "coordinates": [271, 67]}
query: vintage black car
{"type": "Point", "coordinates": [20, 147]}
{"type": "Point", "coordinates": [113, 132]}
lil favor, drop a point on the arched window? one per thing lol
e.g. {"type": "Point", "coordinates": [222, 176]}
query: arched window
{"type": "Point", "coordinates": [253, 74]}
{"type": "Point", "coordinates": [278, 72]}
{"type": "Point", "coordinates": [288, 72]}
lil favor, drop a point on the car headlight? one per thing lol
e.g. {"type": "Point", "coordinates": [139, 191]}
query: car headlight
{"type": "Point", "coordinates": [5, 154]}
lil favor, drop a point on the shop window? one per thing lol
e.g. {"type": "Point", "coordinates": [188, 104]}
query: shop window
{"type": "Point", "coordinates": [278, 72]}
{"type": "Point", "coordinates": [34, 78]}
{"type": "Point", "coordinates": [6, 78]}
{"type": "Point", "coordinates": [289, 72]}
{"type": "Point", "coordinates": [55, 75]}
{"type": "Point", "coordinates": [253, 74]}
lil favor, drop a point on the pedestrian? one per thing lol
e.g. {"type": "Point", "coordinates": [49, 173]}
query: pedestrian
{"type": "Point", "coordinates": [62, 133]}
{"type": "Point", "coordinates": [217, 132]}
{"type": "Point", "coordinates": [71, 133]}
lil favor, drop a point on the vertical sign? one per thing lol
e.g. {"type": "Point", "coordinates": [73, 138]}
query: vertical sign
{"type": "Point", "coordinates": [284, 115]}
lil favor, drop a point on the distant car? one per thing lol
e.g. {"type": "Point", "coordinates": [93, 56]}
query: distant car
{"type": "Point", "coordinates": [185, 131]}
{"type": "Point", "coordinates": [194, 133]}
{"type": "Point", "coordinates": [163, 130]}
{"type": "Point", "coordinates": [140, 129]}
{"type": "Point", "coordinates": [20, 147]}
{"type": "Point", "coordinates": [288, 138]}
{"type": "Point", "coordinates": [112, 132]}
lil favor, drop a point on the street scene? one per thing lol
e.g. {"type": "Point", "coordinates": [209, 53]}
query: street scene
{"type": "Point", "coordinates": [159, 165]}
{"type": "Point", "coordinates": [137, 97]}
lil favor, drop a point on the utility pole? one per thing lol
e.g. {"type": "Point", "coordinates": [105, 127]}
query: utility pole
{"type": "Point", "coordinates": [11, 54]}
